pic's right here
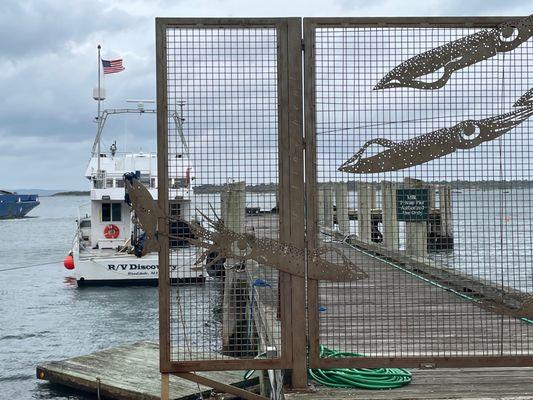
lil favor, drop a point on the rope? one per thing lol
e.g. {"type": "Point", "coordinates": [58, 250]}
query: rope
{"type": "Point", "coordinates": [30, 266]}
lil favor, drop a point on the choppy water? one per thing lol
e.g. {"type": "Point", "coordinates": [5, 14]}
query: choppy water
{"type": "Point", "coordinates": [44, 318]}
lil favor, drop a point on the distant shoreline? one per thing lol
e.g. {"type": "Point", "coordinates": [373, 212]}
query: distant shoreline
{"type": "Point", "coordinates": [72, 193]}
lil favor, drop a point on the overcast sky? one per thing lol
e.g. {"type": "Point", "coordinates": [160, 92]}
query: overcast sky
{"type": "Point", "coordinates": [48, 62]}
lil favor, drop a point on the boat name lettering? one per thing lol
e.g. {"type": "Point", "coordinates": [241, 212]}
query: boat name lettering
{"type": "Point", "coordinates": [124, 267]}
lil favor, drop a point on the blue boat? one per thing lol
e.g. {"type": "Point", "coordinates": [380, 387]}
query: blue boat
{"type": "Point", "coordinates": [14, 205]}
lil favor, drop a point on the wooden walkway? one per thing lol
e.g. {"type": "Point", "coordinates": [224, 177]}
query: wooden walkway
{"type": "Point", "coordinates": [396, 313]}
{"type": "Point", "coordinates": [129, 372]}
{"type": "Point", "coordinates": [441, 384]}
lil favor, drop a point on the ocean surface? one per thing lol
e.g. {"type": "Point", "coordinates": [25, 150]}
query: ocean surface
{"type": "Point", "coordinates": [44, 316]}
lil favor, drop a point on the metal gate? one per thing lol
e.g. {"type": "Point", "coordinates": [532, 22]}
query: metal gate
{"type": "Point", "coordinates": [229, 123]}
{"type": "Point", "coordinates": [418, 144]}
{"type": "Point", "coordinates": [400, 220]}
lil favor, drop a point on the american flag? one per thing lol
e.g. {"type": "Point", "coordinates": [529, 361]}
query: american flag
{"type": "Point", "coordinates": [112, 66]}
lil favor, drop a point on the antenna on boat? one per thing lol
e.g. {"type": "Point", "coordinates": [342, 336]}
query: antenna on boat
{"type": "Point", "coordinates": [179, 120]}
{"type": "Point", "coordinates": [140, 103]}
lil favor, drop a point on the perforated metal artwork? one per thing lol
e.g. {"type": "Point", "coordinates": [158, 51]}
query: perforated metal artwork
{"type": "Point", "coordinates": [242, 247]}
{"type": "Point", "coordinates": [456, 55]}
{"type": "Point", "coordinates": [465, 135]}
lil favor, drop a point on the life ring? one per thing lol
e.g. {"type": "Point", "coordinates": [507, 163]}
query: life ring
{"type": "Point", "coordinates": [111, 231]}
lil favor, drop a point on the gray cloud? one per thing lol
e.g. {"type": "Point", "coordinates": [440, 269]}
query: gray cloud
{"type": "Point", "coordinates": [48, 63]}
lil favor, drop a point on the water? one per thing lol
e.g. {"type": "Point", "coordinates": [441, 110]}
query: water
{"type": "Point", "coordinates": [43, 317]}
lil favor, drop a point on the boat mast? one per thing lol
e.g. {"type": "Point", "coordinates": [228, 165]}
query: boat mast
{"type": "Point", "coordinates": [98, 115]}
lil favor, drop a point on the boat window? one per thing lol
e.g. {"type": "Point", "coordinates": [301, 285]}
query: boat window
{"type": "Point", "coordinates": [109, 183]}
{"type": "Point", "coordinates": [85, 224]}
{"type": "Point", "coordinates": [116, 211]}
{"type": "Point", "coordinates": [111, 212]}
{"type": "Point", "coordinates": [175, 209]}
{"type": "Point", "coordinates": [179, 183]}
{"type": "Point", "coordinates": [119, 183]}
{"type": "Point", "coordinates": [145, 179]}
{"type": "Point", "coordinates": [152, 182]}
{"type": "Point", "coordinates": [106, 212]}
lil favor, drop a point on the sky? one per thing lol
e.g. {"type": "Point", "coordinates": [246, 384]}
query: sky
{"type": "Point", "coordinates": [48, 60]}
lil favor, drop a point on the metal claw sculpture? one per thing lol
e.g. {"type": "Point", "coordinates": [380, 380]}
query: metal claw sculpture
{"type": "Point", "coordinates": [241, 247]}
{"type": "Point", "coordinates": [457, 55]}
{"type": "Point", "coordinates": [408, 153]}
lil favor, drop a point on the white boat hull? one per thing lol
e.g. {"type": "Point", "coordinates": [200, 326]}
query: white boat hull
{"type": "Point", "coordinates": [127, 269]}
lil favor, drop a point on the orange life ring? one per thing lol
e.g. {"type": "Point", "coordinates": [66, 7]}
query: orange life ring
{"type": "Point", "coordinates": [111, 231]}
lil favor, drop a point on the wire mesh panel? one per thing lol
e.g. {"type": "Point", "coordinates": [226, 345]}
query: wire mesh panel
{"type": "Point", "coordinates": [221, 85]}
{"type": "Point", "coordinates": [419, 171]}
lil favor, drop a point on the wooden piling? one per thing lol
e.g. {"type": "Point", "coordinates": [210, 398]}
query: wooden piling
{"type": "Point", "coordinates": [416, 234]}
{"type": "Point", "coordinates": [233, 210]}
{"type": "Point", "coordinates": [341, 205]}
{"type": "Point", "coordinates": [365, 203]}
{"type": "Point", "coordinates": [320, 213]}
{"type": "Point", "coordinates": [446, 213]}
{"type": "Point", "coordinates": [390, 221]}
{"type": "Point", "coordinates": [328, 206]}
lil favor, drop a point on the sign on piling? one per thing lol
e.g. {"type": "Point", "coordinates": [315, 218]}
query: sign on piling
{"type": "Point", "coordinates": [412, 204]}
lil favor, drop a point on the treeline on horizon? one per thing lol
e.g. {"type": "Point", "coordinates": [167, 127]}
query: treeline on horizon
{"type": "Point", "coordinates": [458, 184]}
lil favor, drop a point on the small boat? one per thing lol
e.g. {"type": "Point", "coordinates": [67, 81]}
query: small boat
{"type": "Point", "coordinates": [13, 205]}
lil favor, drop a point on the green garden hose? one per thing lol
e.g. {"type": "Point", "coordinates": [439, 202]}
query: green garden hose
{"type": "Point", "coordinates": [363, 378]}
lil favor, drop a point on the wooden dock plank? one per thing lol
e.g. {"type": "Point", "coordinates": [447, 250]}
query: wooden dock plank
{"type": "Point", "coordinates": [128, 372]}
{"type": "Point", "coordinates": [439, 384]}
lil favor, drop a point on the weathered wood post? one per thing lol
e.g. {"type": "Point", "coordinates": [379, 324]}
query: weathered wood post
{"type": "Point", "coordinates": [416, 234]}
{"type": "Point", "coordinates": [446, 211]}
{"type": "Point", "coordinates": [328, 206]}
{"type": "Point", "coordinates": [320, 207]}
{"type": "Point", "coordinates": [233, 210]}
{"type": "Point", "coordinates": [365, 203]}
{"type": "Point", "coordinates": [391, 238]}
{"type": "Point", "coordinates": [341, 205]}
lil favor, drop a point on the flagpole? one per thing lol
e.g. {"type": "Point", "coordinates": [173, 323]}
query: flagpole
{"type": "Point", "coordinates": [98, 117]}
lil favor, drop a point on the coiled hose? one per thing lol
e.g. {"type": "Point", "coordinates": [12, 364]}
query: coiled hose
{"type": "Point", "coordinates": [363, 378]}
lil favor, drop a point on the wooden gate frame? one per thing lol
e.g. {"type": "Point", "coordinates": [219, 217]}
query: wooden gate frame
{"type": "Point", "coordinates": [291, 202]}
{"type": "Point", "coordinates": [309, 26]}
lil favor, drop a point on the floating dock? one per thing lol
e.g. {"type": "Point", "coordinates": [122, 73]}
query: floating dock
{"type": "Point", "coordinates": [130, 372]}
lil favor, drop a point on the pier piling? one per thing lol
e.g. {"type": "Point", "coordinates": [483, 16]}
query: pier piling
{"type": "Point", "coordinates": [341, 207]}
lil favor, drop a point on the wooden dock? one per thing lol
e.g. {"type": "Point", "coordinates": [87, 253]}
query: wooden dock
{"type": "Point", "coordinates": [442, 384]}
{"type": "Point", "coordinates": [129, 372]}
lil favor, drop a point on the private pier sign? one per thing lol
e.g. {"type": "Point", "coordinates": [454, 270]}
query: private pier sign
{"type": "Point", "coordinates": [412, 204]}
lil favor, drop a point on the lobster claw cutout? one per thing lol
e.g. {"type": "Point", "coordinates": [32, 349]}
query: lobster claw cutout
{"type": "Point", "coordinates": [241, 247]}
{"type": "Point", "coordinates": [429, 146]}
{"type": "Point", "coordinates": [457, 55]}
